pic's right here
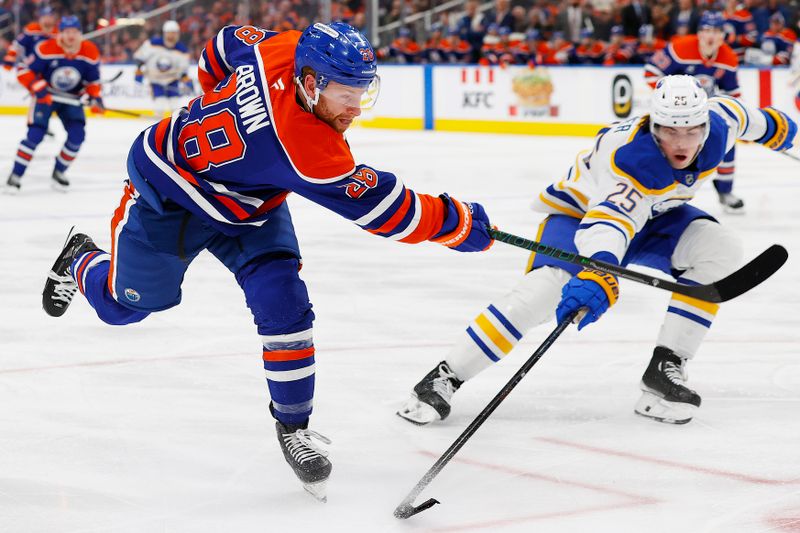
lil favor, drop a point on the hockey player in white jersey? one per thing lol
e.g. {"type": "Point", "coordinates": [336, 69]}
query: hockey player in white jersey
{"type": "Point", "coordinates": [624, 202]}
{"type": "Point", "coordinates": [164, 62]}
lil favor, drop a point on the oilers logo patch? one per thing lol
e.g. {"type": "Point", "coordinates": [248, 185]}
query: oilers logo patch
{"type": "Point", "coordinates": [132, 295]}
{"type": "Point", "coordinates": [65, 78]}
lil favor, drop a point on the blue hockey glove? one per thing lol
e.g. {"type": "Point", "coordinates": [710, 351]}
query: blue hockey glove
{"type": "Point", "coordinates": [97, 106]}
{"type": "Point", "coordinates": [39, 91]}
{"type": "Point", "coordinates": [139, 76]}
{"type": "Point", "coordinates": [187, 87]}
{"type": "Point", "coordinates": [465, 226]}
{"type": "Point", "coordinates": [781, 130]}
{"type": "Point", "coordinates": [591, 289]}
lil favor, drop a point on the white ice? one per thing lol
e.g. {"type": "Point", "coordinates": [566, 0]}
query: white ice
{"type": "Point", "coordinates": [163, 426]}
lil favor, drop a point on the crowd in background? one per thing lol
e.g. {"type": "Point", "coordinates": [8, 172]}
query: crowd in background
{"type": "Point", "coordinates": [510, 31]}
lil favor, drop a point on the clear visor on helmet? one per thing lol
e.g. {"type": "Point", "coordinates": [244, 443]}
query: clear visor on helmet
{"type": "Point", "coordinates": [353, 96]}
{"type": "Point", "coordinates": [686, 136]}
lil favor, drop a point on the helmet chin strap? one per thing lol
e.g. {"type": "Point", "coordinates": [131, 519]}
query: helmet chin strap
{"type": "Point", "coordinates": [309, 102]}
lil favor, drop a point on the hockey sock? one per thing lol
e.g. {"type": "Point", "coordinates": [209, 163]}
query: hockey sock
{"type": "Point", "coordinates": [90, 272]}
{"type": "Point", "coordinates": [66, 156]}
{"type": "Point", "coordinates": [499, 328]}
{"type": "Point", "coordinates": [289, 367]}
{"type": "Point", "coordinates": [26, 148]}
{"type": "Point", "coordinates": [686, 324]}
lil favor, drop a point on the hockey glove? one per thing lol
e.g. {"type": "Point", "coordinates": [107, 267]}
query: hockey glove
{"type": "Point", "coordinates": [139, 76]}
{"type": "Point", "coordinates": [593, 290]}
{"type": "Point", "coordinates": [8, 62]}
{"type": "Point", "coordinates": [39, 91]}
{"type": "Point", "coordinates": [96, 105]}
{"type": "Point", "coordinates": [465, 226]}
{"type": "Point", "coordinates": [781, 130]}
{"type": "Point", "coordinates": [187, 87]}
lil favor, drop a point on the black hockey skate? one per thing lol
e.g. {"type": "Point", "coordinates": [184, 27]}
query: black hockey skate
{"type": "Point", "coordinates": [60, 287]}
{"type": "Point", "coordinates": [13, 184]}
{"type": "Point", "coordinates": [309, 462]}
{"type": "Point", "coordinates": [731, 203]}
{"type": "Point", "coordinates": [430, 400]}
{"type": "Point", "coordinates": [60, 181]}
{"type": "Point", "coordinates": [665, 396]}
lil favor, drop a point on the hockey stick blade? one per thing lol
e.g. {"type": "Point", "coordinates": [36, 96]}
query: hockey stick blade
{"type": "Point", "coordinates": [406, 510]}
{"type": "Point", "coordinates": [749, 276]}
{"type": "Point", "coordinates": [738, 283]}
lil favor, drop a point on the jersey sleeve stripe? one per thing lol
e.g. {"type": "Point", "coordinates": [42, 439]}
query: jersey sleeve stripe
{"type": "Point", "coordinates": [416, 216]}
{"type": "Point", "coordinates": [385, 204]}
{"type": "Point", "coordinates": [559, 207]}
{"type": "Point", "coordinates": [220, 42]}
{"type": "Point", "coordinates": [583, 227]}
{"type": "Point", "coordinates": [211, 61]}
{"type": "Point", "coordinates": [396, 218]}
{"type": "Point", "coordinates": [431, 211]}
{"type": "Point", "coordinates": [597, 214]}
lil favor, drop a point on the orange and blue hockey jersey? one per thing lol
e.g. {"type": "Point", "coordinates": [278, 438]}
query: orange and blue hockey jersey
{"type": "Point", "coordinates": [717, 74]}
{"type": "Point", "coordinates": [25, 43]}
{"type": "Point", "coordinates": [234, 153]}
{"type": "Point", "coordinates": [779, 44]}
{"type": "Point", "coordinates": [65, 73]}
{"type": "Point", "coordinates": [740, 31]}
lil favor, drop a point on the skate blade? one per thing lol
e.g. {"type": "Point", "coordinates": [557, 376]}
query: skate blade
{"type": "Point", "coordinates": [318, 490]}
{"type": "Point", "coordinates": [659, 409]}
{"type": "Point", "coordinates": [59, 187]}
{"type": "Point", "coordinates": [418, 412]}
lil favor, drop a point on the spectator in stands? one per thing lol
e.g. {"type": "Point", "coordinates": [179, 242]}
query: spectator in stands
{"type": "Point", "coordinates": [404, 50]}
{"type": "Point", "coordinates": [662, 28]}
{"type": "Point", "coordinates": [649, 44]}
{"type": "Point", "coordinates": [684, 13]}
{"type": "Point", "coordinates": [572, 19]}
{"type": "Point", "coordinates": [602, 22]}
{"type": "Point", "coordinates": [740, 28]}
{"type": "Point", "coordinates": [501, 14]}
{"type": "Point", "coordinates": [472, 27]}
{"type": "Point", "coordinates": [456, 49]}
{"type": "Point", "coordinates": [621, 48]}
{"type": "Point", "coordinates": [634, 16]}
{"type": "Point", "coordinates": [589, 51]}
{"type": "Point", "coordinates": [529, 52]}
{"type": "Point", "coordinates": [557, 51]}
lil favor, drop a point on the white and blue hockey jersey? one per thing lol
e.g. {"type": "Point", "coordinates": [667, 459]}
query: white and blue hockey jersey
{"type": "Point", "coordinates": [161, 64]}
{"type": "Point", "coordinates": [625, 180]}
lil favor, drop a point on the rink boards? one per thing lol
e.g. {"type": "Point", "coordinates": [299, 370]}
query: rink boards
{"type": "Point", "coordinates": [517, 99]}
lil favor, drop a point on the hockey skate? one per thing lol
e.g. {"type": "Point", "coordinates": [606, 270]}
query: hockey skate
{"type": "Point", "coordinates": [731, 203]}
{"type": "Point", "coordinates": [13, 184]}
{"type": "Point", "coordinates": [60, 288]}
{"type": "Point", "coordinates": [665, 396]}
{"type": "Point", "coordinates": [60, 182]}
{"type": "Point", "coordinates": [430, 400]}
{"type": "Point", "coordinates": [309, 462]}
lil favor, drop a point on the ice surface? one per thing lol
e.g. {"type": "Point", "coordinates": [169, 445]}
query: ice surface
{"type": "Point", "coordinates": [163, 426]}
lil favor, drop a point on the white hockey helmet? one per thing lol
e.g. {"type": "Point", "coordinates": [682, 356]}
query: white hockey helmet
{"type": "Point", "coordinates": [679, 102]}
{"type": "Point", "coordinates": [170, 26]}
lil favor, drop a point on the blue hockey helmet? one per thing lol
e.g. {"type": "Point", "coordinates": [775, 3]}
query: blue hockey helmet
{"type": "Point", "coordinates": [711, 19]}
{"type": "Point", "coordinates": [69, 21]}
{"type": "Point", "coordinates": [586, 33]}
{"type": "Point", "coordinates": [617, 30]}
{"type": "Point", "coordinates": [337, 52]}
{"type": "Point", "coordinates": [533, 35]}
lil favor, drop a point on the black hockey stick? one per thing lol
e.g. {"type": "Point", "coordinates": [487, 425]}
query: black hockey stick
{"type": "Point", "coordinates": [738, 283]}
{"type": "Point", "coordinates": [407, 508]}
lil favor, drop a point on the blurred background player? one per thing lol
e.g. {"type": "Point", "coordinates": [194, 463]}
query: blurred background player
{"type": "Point", "coordinates": [778, 42]}
{"type": "Point", "coordinates": [21, 50]}
{"type": "Point", "coordinates": [164, 61]}
{"type": "Point", "coordinates": [706, 57]}
{"type": "Point", "coordinates": [740, 28]}
{"type": "Point", "coordinates": [624, 202]}
{"type": "Point", "coordinates": [648, 45]}
{"type": "Point", "coordinates": [62, 71]}
{"type": "Point", "coordinates": [215, 177]}
{"type": "Point", "coordinates": [590, 50]}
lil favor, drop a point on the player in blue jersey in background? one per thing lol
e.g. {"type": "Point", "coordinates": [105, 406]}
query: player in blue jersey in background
{"type": "Point", "coordinates": [706, 57]}
{"type": "Point", "coordinates": [164, 61]}
{"type": "Point", "coordinates": [21, 50]}
{"type": "Point", "coordinates": [61, 71]}
{"type": "Point", "coordinates": [624, 202]}
{"type": "Point", "coordinates": [215, 177]}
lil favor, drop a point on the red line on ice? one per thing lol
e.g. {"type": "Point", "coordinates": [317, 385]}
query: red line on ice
{"type": "Point", "coordinates": [673, 464]}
